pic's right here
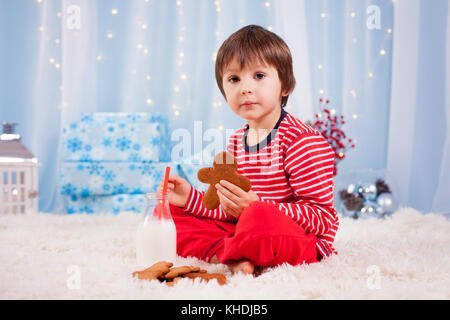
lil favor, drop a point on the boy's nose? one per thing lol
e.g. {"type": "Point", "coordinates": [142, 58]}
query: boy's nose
{"type": "Point", "coordinates": [246, 88]}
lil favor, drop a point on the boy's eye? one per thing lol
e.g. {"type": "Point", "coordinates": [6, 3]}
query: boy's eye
{"type": "Point", "coordinates": [260, 75]}
{"type": "Point", "coordinates": [233, 79]}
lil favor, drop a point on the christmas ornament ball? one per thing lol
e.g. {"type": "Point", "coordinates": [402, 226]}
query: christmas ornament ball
{"type": "Point", "coordinates": [352, 188]}
{"type": "Point", "coordinates": [369, 210]}
{"type": "Point", "coordinates": [368, 191]}
{"type": "Point", "coordinates": [386, 203]}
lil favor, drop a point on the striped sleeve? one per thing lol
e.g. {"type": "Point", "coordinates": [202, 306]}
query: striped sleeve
{"type": "Point", "coordinates": [194, 206]}
{"type": "Point", "coordinates": [309, 165]}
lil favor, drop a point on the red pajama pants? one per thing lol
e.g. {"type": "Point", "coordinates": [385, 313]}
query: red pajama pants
{"type": "Point", "coordinates": [262, 234]}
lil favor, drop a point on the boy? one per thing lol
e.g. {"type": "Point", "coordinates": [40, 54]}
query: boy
{"type": "Point", "coordinates": [288, 215]}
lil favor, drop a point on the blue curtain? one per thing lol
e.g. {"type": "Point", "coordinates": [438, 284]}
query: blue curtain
{"type": "Point", "coordinates": [60, 58]}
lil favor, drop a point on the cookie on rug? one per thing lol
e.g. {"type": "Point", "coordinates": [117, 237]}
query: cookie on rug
{"type": "Point", "coordinates": [164, 272]}
{"type": "Point", "coordinates": [155, 271]}
{"type": "Point", "coordinates": [179, 271]}
{"type": "Point", "coordinates": [221, 279]}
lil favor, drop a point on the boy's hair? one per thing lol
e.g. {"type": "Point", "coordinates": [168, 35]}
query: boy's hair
{"type": "Point", "coordinates": [252, 43]}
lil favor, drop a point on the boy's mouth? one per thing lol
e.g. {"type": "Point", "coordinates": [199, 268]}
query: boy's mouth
{"type": "Point", "coordinates": [248, 104]}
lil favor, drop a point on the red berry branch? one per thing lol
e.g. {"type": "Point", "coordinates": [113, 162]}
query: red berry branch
{"type": "Point", "coordinates": [330, 125]}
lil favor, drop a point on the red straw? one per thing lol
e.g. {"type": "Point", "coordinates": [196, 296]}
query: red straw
{"type": "Point", "coordinates": [164, 190]}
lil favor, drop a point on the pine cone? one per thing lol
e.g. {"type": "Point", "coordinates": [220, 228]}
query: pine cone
{"type": "Point", "coordinates": [344, 195]}
{"type": "Point", "coordinates": [382, 187]}
{"type": "Point", "coordinates": [352, 201]}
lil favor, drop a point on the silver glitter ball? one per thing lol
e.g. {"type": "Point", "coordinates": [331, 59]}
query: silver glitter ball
{"type": "Point", "coordinates": [368, 191]}
{"type": "Point", "coordinates": [369, 210]}
{"type": "Point", "coordinates": [386, 203]}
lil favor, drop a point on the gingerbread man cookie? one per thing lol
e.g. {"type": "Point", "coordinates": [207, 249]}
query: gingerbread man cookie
{"type": "Point", "coordinates": [155, 271]}
{"type": "Point", "coordinates": [224, 168]}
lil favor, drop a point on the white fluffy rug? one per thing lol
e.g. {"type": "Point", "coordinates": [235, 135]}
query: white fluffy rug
{"type": "Point", "coordinates": [48, 256]}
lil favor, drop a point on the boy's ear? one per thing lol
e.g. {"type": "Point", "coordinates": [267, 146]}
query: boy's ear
{"type": "Point", "coordinates": [285, 93]}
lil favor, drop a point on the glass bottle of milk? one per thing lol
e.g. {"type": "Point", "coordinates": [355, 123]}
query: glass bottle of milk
{"type": "Point", "coordinates": [156, 238]}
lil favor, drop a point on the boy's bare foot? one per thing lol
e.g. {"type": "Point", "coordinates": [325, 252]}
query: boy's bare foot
{"type": "Point", "coordinates": [244, 266]}
{"type": "Point", "coordinates": [241, 265]}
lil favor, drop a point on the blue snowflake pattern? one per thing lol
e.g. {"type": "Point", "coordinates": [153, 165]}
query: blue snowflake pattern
{"type": "Point", "coordinates": [107, 142]}
{"type": "Point", "coordinates": [134, 157]}
{"type": "Point", "coordinates": [85, 193]}
{"type": "Point", "coordinates": [123, 144]}
{"type": "Point", "coordinates": [74, 144]}
{"type": "Point", "coordinates": [108, 175]}
{"type": "Point", "coordinates": [95, 168]}
{"type": "Point", "coordinates": [111, 128]}
{"type": "Point", "coordinates": [121, 188]}
{"type": "Point", "coordinates": [87, 117]}
{"type": "Point", "coordinates": [85, 157]}
{"type": "Point", "coordinates": [86, 209]}
{"type": "Point", "coordinates": [68, 189]}
{"type": "Point", "coordinates": [146, 168]}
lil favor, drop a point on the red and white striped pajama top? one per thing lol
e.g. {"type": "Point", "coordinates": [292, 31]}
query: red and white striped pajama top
{"type": "Point", "coordinates": [292, 168]}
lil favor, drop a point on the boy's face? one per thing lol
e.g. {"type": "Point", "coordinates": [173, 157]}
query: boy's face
{"type": "Point", "coordinates": [253, 92]}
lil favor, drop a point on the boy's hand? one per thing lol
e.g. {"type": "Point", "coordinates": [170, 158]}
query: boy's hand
{"type": "Point", "coordinates": [178, 190]}
{"type": "Point", "coordinates": [233, 199]}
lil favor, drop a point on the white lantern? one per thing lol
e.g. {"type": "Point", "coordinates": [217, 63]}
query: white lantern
{"type": "Point", "coordinates": [18, 174]}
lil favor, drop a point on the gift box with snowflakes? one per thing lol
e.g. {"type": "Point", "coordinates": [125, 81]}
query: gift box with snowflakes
{"type": "Point", "coordinates": [110, 160]}
{"type": "Point", "coordinates": [133, 137]}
